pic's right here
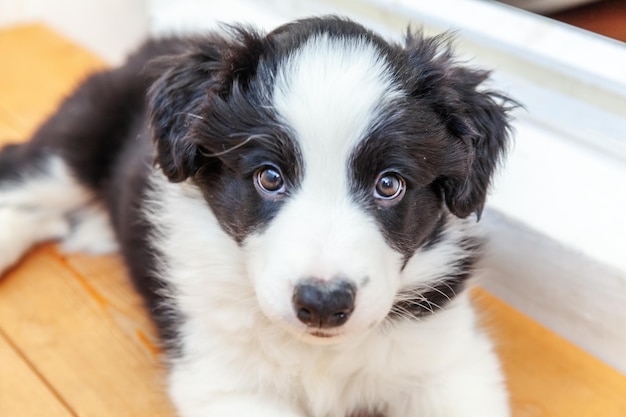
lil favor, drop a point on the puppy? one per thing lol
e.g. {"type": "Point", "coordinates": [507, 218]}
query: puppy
{"type": "Point", "coordinates": [297, 209]}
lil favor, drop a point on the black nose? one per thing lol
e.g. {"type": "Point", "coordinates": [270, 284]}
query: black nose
{"type": "Point", "coordinates": [324, 304]}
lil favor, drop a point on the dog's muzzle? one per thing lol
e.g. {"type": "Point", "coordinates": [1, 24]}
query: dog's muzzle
{"type": "Point", "coordinates": [323, 304]}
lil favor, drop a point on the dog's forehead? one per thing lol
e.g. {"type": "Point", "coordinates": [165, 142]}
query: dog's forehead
{"type": "Point", "coordinates": [330, 90]}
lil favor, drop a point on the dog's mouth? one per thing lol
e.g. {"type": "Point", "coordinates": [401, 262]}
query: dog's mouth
{"type": "Point", "coordinates": [321, 334]}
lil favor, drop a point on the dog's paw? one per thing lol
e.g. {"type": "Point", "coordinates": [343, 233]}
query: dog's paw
{"type": "Point", "coordinates": [21, 228]}
{"type": "Point", "coordinates": [91, 232]}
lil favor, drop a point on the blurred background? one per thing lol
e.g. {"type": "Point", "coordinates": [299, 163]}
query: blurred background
{"type": "Point", "coordinates": [90, 22]}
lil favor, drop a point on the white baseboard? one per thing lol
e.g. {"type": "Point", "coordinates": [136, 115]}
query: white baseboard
{"type": "Point", "coordinates": [563, 289]}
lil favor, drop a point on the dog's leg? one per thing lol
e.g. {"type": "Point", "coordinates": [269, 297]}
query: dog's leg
{"type": "Point", "coordinates": [67, 165]}
{"type": "Point", "coordinates": [473, 387]}
{"type": "Point", "coordinates": [37, 192]}
{"type": "Point", "coordinates": [22, 228]}
{"type": "Point", "coordinates": [234, 405]}
{"type": "Point", "coordinates": [193, 398]}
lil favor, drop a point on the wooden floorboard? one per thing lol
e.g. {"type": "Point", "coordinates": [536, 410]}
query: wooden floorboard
{"type": "Point", "coordinates": [74, 320]}
{"type": "Point", "coordinates": [38, 68]}
{"type": "Point", "coordinates": [75, 341]}
{"type": "Point", "coordinates": [607, 18]}
{"type": "Point", "coordinates": [548, 376]}
{"type": "Point", "coordinates": [79, 323]}
{"type": "Point", "coordinates": [23, 392]}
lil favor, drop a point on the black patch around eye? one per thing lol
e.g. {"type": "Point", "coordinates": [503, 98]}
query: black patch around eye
{"type": "Point", "coordinates": [237, 204]}
{"type": "Point", "coordinates": [239, 134]}
{"type": "Point", "coordinates": [437, 235]}
{"type": "Point", "coordinates": [407, 138]}
{"type": "Point", "coordinates": [408, 223]}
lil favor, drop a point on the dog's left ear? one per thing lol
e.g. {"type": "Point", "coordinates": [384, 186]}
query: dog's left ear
{"type": "Point", "coordinates": [476, 119]}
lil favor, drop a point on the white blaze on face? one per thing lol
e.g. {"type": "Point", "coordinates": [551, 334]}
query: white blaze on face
{"type": "Point", "coordinates": [328, 93]}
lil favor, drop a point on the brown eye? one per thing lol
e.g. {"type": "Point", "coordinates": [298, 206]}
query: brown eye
{"type": "Point", "coordinates": [390, 187]}
{"type": "Point", "coordinates": [269, 180]}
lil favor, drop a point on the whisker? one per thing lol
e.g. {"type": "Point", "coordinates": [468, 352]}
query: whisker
{"type": "Point", "coordinates": [195, 116]}
{"type": "Point", "coordinates": [450, 288]}
{"type": "Point", "coordinates": [439, 291]}
{"type": "Point", "coordinates": [234, 147]}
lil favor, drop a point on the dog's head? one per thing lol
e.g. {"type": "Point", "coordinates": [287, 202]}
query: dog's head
{"type": "Point", "coordinates": [331, 157]}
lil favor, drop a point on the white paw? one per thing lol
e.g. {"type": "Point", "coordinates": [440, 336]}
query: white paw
{"type": "Point", "coordinates": [91, 232]}
{"type": "Point", "coordinates": [21, 228]}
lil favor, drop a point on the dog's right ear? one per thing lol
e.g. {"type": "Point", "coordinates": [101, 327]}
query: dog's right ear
{"type": "Point", "coordinates": [181, 96]}
{"type": "Point", "coordinates": [175, 99]}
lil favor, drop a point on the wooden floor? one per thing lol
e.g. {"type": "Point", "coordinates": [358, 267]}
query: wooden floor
{"type": "Point", "coordinates": [606, 17]}
{"type": "Point", "coordinates": [75, 341]}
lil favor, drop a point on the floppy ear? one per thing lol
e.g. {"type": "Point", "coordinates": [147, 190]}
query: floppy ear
{"type": "Point", "coordinates": [476, 119]}
{"type": "Point", "coordinates": [181, 96]}
{"type": "Point", "coordinates": [175, 99]}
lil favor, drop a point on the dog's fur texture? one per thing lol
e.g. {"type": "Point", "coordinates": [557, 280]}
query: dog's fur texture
{"type": "Point", "coordinates": [297, 208]}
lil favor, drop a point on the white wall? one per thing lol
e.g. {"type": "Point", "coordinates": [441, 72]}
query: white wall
{"type": "Point", "coordinates": [110, 28]}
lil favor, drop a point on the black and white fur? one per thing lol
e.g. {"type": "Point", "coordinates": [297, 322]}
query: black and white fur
{"type": "Point", "coordinates": [295, 207]}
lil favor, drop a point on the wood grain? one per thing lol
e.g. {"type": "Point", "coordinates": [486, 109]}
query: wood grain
{"type": "Point", "coordinates": [607, 17]}
{"type": "Point", "coordinates": [22, 390]}
{"type": "Point", "coordinates": [74, 319]}
{"type": "Point", "coordinates": [75, 340]}
{"type": "Point", "coordinates": [81, 332]}
{"type": "Point", "coordinates": [548, 376]}
{"type": "Point", "coordinates": [38, 68]}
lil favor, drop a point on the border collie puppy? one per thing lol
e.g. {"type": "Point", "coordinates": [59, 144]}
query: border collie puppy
{"type": "Point", "coordinates": [297, 209]}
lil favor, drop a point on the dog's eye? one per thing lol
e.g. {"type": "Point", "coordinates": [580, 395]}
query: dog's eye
{"type": "Point", "coordinates": [269, 180]}
{"type": "Point", "coordinates": [389, 188]}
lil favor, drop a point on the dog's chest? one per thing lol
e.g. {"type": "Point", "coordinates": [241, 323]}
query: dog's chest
{"type": "Point", "coordinates": [380, 376]}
